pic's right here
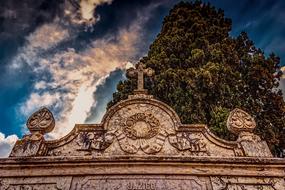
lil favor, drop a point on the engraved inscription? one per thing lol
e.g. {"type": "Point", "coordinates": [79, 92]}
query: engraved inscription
{"type": "Point", "coordinates": [141, 186]}
{"type": "Point", "coordinates": [141, 183]}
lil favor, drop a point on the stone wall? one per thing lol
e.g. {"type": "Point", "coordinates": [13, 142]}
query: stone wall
{"type": "Point", "coordinates": [142, 145]}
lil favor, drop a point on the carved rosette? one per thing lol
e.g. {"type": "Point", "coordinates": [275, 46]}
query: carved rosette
{"type": "Point", "coordinates": [240, 121]}
{"type": "Point", "coordinates": [142, 127]}
{"type": "Point", "coordinates": [41, 121]}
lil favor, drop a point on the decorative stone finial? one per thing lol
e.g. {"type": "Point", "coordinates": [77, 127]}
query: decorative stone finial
{"type": "Point", "coordinates": [41, 121]}
{"type": "Point", "coordinates": [240, 121]}
{"type": "Point", "coordinates": [139, 72]}
{"type": "Point", "coordinates": [33, 144]}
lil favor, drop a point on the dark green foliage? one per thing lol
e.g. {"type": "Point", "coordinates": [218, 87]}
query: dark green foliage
{"type": "Point", "coordinates": [203, 73]}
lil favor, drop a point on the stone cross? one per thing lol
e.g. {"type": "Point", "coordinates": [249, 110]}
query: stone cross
{"type": "Point", "coordinates": [139, 72]}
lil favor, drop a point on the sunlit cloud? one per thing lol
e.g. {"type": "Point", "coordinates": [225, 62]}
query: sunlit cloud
{"type": "Point", "coordinates": [68, 79]}
{"type": "Point", "coordinates": [83, 12]}
{"type": "Point", "coordinates": [6, 144]}
{"type": "Point", "coordinates": [44, 38]}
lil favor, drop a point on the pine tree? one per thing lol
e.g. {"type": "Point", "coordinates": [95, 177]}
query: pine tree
{"type": "Point", "coordinates": [203, 73]}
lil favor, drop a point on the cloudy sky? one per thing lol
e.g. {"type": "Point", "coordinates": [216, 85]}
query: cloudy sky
{"type": "Point", "coordinates": [68, 55]}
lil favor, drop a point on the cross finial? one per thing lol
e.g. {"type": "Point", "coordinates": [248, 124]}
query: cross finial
{"type": "Point", "coordinates": [139, 72]}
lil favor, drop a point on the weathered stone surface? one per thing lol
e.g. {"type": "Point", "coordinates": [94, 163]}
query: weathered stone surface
{"type": "Point", "coordinates": [30, 145]}
{"type": "Point", "coordinates": [246, 183]}
{"type": "Point", "coordinates": [41, 121]}
{"type": "Point", "coordinates": [141, 182]}
{"type": "Point", "coordinates": [35, 183]}
{"type": "Point", "coordinates": [142, 145]}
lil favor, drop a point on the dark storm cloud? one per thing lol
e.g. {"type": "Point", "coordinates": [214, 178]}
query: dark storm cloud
{"type": "Point", "coordinates": [120, 14]}
{"type": "Point", "coordinates": [19, 18]}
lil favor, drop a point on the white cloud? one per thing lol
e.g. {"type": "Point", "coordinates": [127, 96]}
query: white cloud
{"type": "Point", "coordinates": [74, 76]}
{"type": "Point", "coordinates": [40, 85]}
{"type": "Point", "coordinates": [35, 101]}
{"type": "Point", "coordinates": [67, 79]}
{"type": "Point", "coordinates": [87, 7]}
{"type": "Point", "coordinates": [44, 38]}
{"type": "Point", "coordinates": [6, 144]}
{"type": "Point", "coordinates": [84, 11]}
{"type": "Point", "coordinates": [81, 73]}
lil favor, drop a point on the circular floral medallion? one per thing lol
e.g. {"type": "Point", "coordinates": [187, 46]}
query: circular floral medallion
{"type": "Point", "coordinates": [141, 126]}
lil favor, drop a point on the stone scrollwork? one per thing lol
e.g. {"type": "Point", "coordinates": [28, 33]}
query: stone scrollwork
{"type": "Point", "coordinates": [183, 141]}
{"type": "Point", "coordinates": [141, 126]}
{"type": "Point", "coordinates": [240, 121]}
{"type": "Point", "coordinates": [94, 140]}
{"type": "Point", "coordinates": [35, 183]}
{"type": "Point", "coordinates": [41, 121]}
{"type": "Point", "coordinates": [141, 131]}
{"type": "Point", "coordinates": [241, 183]}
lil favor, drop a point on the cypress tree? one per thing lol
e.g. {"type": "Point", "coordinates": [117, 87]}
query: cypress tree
{"type": "Point", "coordinates": [203, 73]}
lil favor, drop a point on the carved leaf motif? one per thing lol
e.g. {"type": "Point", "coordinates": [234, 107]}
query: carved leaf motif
{"type": "Point", "coordinates": [41, 121]}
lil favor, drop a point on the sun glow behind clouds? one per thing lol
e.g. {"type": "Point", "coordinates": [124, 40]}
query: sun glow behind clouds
{"type": "Point", "coordinates": [83, 102]}
{"type": "Point", "coordinates": [67, 80]}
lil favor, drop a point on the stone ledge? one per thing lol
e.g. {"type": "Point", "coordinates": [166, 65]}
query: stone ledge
{"type": "Point", "coordinates": [17, 167]}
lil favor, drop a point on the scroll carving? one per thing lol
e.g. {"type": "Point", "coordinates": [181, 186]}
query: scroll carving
{"type": "Point", "coordinates": [240, 121]}
{"type": "Point", "coordinates": [141, 131]}
{"type": "Point", "coordinates": [241, 183]}
{"type": "Point", "coordinates": [183, 141]}
{"type": "Point", "coordinates": [41, 121]}
{"type": "Point", "coordinates": [35, 183]}
{"type": "Point", "coordinates": [94, 140]}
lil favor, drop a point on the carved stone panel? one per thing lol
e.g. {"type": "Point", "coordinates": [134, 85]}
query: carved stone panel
{"type": "Point", "coordinates": [35, 183]}
{"type": "Point", "coordinates": [30, 145]}
{"type": "Point", "coordinates": [247, 183]}
{"type": "Point", "coordinates": [141, 183]}
{"type": "Point", "coordinates": [141, 127]}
